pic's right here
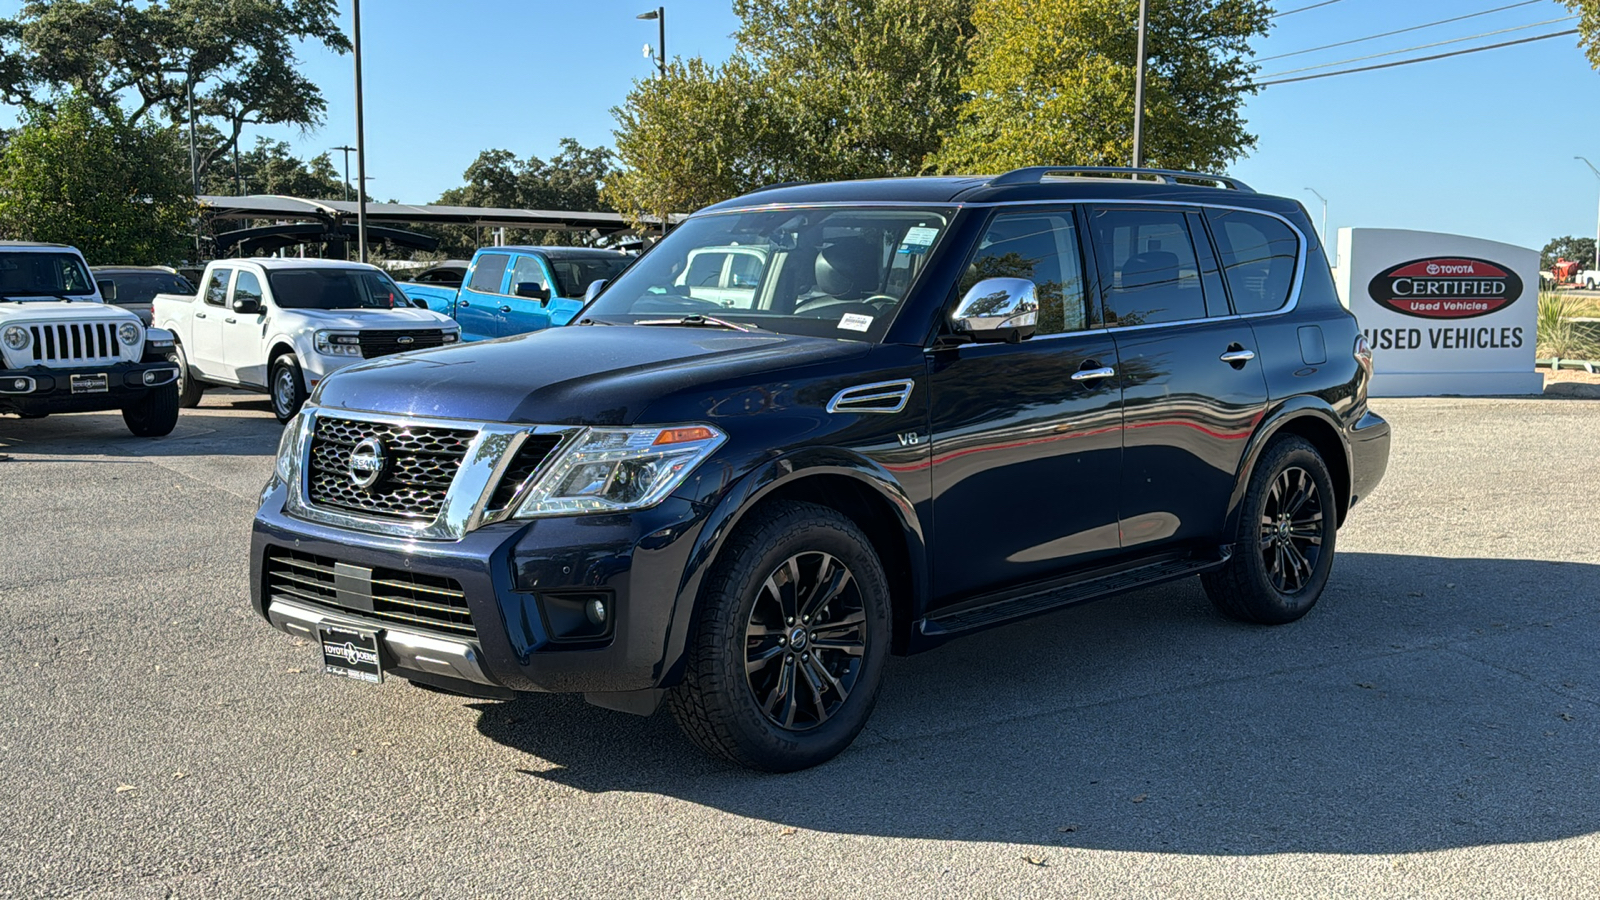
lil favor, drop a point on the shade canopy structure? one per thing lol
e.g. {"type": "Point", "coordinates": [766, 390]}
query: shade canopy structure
{"type": "Point", "coordinates": [271, 206]}
{"type": "Point", "coordinates": [267, 238]}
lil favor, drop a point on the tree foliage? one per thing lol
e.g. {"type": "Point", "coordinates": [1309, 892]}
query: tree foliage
{"type": "Point", "coordinates": [572, 180]}
{"type": "Point", "coordinates": [1588, 27]}
{"type": "Point", "coordinates": [77, 175]}
{"type": "Point", "coordinates": [237, 56]}
{"type": "Point", "coordinates": [272, 168]}
{"type": "Point", "coordinates": [1576, 249]}
{"type": "Point", "coordinates": [1052, 81]}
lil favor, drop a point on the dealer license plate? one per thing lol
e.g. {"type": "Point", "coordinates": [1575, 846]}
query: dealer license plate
{"type": "Point", "coordinates": [351, 653]}
{"type": "Point", "coordinates": [90, 384]}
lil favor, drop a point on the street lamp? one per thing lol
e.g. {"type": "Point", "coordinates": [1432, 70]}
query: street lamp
{"type": "Point", "coordinates": [194, 165]}
{"type": "Point", "coordinates": [361, 139]}
{"type": "Point", "coordinates": [347, 151]}
{"type": "Point", "coordinates": [659, 14]}
{"type": "Point", "coordinates": [1324, 215]}
{"type": "Point", "coordinates": [1597, 215]}
{"type": "Point", "coordinates": [1138, 89]}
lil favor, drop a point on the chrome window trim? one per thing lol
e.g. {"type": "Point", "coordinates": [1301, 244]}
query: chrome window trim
{"type": "Point", "coordinates": [488, 454]}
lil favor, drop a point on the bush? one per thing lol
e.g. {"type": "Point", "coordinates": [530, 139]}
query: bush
{"type": "Point", "coordinates": [1559, 336]}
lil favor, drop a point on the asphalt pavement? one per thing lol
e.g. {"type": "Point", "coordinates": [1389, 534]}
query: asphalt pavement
{"type": "Point", "coordinates": [1431, 729]}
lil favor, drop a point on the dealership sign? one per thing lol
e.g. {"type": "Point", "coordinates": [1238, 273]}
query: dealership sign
{"type": "Point", "coordinates": [1445, 314]}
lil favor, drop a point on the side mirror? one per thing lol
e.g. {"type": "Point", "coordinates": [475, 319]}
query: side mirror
{"type": "Point", "coordinates": [246, 306]}
{"type": "Point", "coordinates": [998, 309]}
{"type": "Point", "coordinates": [108, 290]}
{"type": "Point", "coordinates": [533, 291]}
{"type": "Point", "coordinates": [593, 290]}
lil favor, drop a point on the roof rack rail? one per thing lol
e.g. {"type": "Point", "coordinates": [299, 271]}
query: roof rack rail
{"type": "Point", "coordinates": [1036, 174]}
{"type": "Point", "coordinates": [775, 186]}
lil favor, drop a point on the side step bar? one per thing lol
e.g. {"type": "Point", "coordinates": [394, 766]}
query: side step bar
{"type": "Point", "coordinates": [1042, 600]}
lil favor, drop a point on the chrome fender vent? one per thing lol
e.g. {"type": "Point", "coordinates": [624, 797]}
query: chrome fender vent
{"type": "Point", "coordinates": [878, 397]}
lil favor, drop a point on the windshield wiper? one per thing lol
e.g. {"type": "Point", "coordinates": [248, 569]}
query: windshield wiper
{"type": "Point", "coordinates": [587, 321]}
{"type": "Point", "coordinates": [699, 321]}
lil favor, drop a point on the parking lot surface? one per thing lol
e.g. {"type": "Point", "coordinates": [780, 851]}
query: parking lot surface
{"type": "Point", "coordinates": [1431, 729]}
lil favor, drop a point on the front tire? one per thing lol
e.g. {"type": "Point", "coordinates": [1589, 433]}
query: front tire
{"type": "Point", "coordinates": [155, 414]}
{"type": "Point", "coordinates": [190, 390]}
{"type": "Point", "coordinates": [784, 668]}
{"type": "Point", "coordinates": [288, 387]}
{"type": "Point", "coordinates": [1283, 549]}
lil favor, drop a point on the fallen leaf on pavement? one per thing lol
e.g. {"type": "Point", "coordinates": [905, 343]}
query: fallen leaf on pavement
{"type": "Point", "coordinates": [1035, 861]}
{"type": "Point", "coordinates": [1067, 828]}
{"type": "Point", "coordinates": [787, 831]}
{"type": "Point", "coordinates": [1140, 798]}
{"type": "Point", "coordinates": [123, 788]}
{"type": "Point", "coordinates": [293, 671]}
{"type": "Point", "coordinates": [1566, 717]}
{"type": "Point", "coordinates": [1365, 684]}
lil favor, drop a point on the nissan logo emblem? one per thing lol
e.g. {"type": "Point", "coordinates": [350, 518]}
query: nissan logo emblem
{"type": "Point", "coordinates": [367, 461]}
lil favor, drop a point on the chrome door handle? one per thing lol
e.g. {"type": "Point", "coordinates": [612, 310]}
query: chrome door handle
{"type": "Point", "coordinates": [505, 309]}
{"type": "Point", "coordinates": [1238, 356]}
{"type": "Point", "coordinates": [1094, 374]}
{"type": "Point", "coordinates": [463, 303]}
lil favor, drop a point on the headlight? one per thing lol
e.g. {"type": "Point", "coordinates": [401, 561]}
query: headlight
{"type": "Point", "coordinates": [128, 333]}
{"type": "Point", "coordinates": [292, 444]}
{"type": "Point", "coordinates": [620, 469]}
{"type": "Point", "coordinates": [16, 337]}
{"type": "Point", "coordinates": [338, 343]}
{"type": "Point", "coordinates": [450, 337]}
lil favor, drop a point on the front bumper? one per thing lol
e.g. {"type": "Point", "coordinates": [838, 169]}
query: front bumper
{"type": "Point", "coordinates": [40, 389]}
{"type": "Point", "coordinates": [514, 575]}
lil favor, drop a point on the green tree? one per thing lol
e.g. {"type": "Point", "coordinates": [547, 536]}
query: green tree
{"type": "Point", "coordinates": [77, 175]}
{"type": "Point", "coordinates": [1577, 249]}
{"type": "Point", "coordinates": [572, 180]}
{"type": "Point", "coordinates": [1052, 81]}
{"type": "Point", "coordinates": [1588, 27]}
{"type": "Point", "coordinates": [145, 55]}
{"type": "Point", "coordinates": [271, 168]}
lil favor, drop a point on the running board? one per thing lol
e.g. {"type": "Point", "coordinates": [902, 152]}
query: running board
{"type": "Point", "coordinates": [1049, 598]}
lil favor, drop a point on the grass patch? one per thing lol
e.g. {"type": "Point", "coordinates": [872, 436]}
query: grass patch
{"type": "Point", "coordinates": [1558, 335]}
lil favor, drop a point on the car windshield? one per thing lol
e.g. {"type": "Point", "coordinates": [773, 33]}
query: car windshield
{"type": "Point", "coordinates": [575, 273]}
{"type": "Point", "coordinates": [140, 288]}
{"type": "Point", "coordinates": [837, 272]}
{"type": "Point", "coordinates": [333, 288]}
{"type": "Point", "coordinates": [44, 275]}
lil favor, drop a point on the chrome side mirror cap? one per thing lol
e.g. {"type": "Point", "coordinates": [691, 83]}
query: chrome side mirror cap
{"type": "Point", "coordinates": [998, 309]}
{"type": "Point", "coordinates": [594, 289]}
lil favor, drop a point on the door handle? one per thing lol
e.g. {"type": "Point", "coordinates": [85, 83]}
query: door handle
{"type": "Point", "coordinates": [231, 320]}
{"type": "Point", "coordinates": [1094, 374]}
{"type": "Point", "coordinates": [199, 315]}
{"type": "Point", "coordinates": [505, 309]}
{"type": "Point", "coordinates": [462, 303]}
{"type": "Point", "coordinates": [1238, 356]}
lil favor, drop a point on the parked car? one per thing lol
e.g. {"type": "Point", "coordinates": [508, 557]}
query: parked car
{"type": "Point", "coordinates": [62, 349]}
{"type": "Point", "coordinates": [953, 403]}
{"type": "Point", "coordinates": [134, 288]}
{"type": "Point", "coordinates": [282, 325]}
{"type": "Point", "coordinates": [515, 290]}
{"type": "Point", "coordinates": [448, 274]}
{"type": "Point", "coordinates": [724, 275]}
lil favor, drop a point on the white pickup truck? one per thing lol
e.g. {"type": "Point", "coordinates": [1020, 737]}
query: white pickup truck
{"type": "Point", "coordinates": [282, 325]}
{"type": "Point", "coordinates": [64, 350]}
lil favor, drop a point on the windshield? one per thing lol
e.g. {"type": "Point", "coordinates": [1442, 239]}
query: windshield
{"type": "Point", "coordinates": [574, 273]}
{"type": "Point", "coordinates": [44, 275]}
{"type": "Point", "coordinates": [140, 288]}
{"type": "Point", "coordinates": [334, 289]}
{"type": "Point", "coordinates": [833, 272]}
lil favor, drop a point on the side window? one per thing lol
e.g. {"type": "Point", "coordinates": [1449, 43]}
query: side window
{"type": "Point", "coordinates": [1148, 270]}
{"type": "Point", "coordinates": [489, 272]}
{"type": "Point", "coordinates": [1259, 254]}
{"type": "Point", "coordinates": [217, 288]}
{"type": "Point", "coordinates": [705, 270]}
{"type": "Point", "coordinates": [1042, 248]}
{"type": "Point", "coordinates": [247, 287]}
{"type": "Point", "coordinates": [744, 271]}
{"type": "Point", "coordinates": [527, 270]}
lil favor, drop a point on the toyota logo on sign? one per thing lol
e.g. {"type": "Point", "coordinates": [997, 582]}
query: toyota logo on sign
{"type": "Point", "coordinates": [1446, 288]}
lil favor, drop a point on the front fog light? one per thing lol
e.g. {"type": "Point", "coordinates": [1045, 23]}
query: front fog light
{"type": "Point", "coordinates": [620, 469]}
{"type": "Point", "coordinates": [16, 337]}
{"type": "Point", "coordinates": [128, 333]}
{"type": "Point", "coordinates": [595, 611]}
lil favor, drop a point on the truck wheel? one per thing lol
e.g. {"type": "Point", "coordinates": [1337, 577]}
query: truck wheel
{"type": "Point", "coordinates": [784, 667]}
{"type": "Point", "coordinates": [155, 414]}
{"type": "Point", "coordinates": [190, 389]}
{"type": "Point", "coordinates": [1283, 549]}
{"type": "Point", "coordinates": [288, 387]}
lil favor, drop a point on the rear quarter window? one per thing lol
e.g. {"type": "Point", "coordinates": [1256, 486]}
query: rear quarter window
{"type": "Point", "coordinates": [1259, 257]}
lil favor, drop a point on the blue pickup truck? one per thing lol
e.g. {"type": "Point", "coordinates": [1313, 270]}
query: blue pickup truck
{"type": "Point", "coordinates": [514, 290]}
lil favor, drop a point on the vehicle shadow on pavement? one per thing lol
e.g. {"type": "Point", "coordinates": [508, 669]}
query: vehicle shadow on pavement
{"type": "Point", "coordinates": [1427, 703]}
{"type": "Point", "coordinates": [234, 424]}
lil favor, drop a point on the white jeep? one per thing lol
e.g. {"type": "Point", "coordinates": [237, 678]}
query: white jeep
{"type": "Point", "coordinates": [62, 349]}
{"type": "Point", "coordinates": [282, 325]}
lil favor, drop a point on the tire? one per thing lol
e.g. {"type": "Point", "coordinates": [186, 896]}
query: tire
{"type": "Point", "coordinates": [746, 604]}
{"type": "Point", "coordinates": [287, 387]}
{"type": "Point", "coordinates": [1283, 549]}
{"type": "Point", "coordinates": [155, 414]}
{"type": "Point", "coordinates": [190, 390]}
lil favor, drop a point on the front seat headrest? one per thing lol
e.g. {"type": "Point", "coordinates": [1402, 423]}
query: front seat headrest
{"type": "Point", "coordinates": [847, 269]}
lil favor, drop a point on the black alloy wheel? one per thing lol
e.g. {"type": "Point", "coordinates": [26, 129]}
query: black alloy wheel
{"type": "Point", "coordinates": [804, 641]}
{"type": "Point", "coordinates": [1291, 530]}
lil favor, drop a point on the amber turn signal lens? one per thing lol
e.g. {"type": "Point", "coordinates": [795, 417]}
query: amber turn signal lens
{"type": "Point", "coordinates": [684, 435]}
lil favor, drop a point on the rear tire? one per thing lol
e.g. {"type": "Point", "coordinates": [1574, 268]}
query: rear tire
{"type": "Point", "coordinates": [287, 386]}
{"type": "Point", "coordinates": [190, 390]}
{"type": "Point", "coordinates": [784, 667]}
{"type": "Point", "coordinates": [1283, 549]}
{"type": "Point", "coordinates": [155, 414]}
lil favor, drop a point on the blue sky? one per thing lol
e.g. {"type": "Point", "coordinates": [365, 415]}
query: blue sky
{"type": "Point", "coordinates": [1480, 144]}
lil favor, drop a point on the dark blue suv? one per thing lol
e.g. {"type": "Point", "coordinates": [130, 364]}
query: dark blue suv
{"type": "Point", "coordinates": [934, 406]}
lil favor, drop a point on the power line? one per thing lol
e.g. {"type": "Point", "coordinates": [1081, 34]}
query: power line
{"type": "Point", "coordinates": [1291, 12]}
{"type": "Point", "coordinates": [1407, 62]}
{"type": "Point", "coordinates": [1345, 62]}
{"type": "Point", "coordinates": [1373, 37]}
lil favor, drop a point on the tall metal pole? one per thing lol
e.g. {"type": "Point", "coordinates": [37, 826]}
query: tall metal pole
{"type": "Point", "coordinates": [361, 142]}
{"type": "Point", "coordinates": [1324, 233]}
{"type": "Point", "coordinates": [194, 164]}
{"type": "Point", "coordinates": [1138, 89]}
{"type": "Point", "coordinates": [661, 20]}
{"type": "Point", "coordinates": [1597, 214]}
{"type": "Point", "coordinates": [347, 151]}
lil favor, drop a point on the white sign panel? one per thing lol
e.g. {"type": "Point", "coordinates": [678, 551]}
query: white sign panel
{"type": "Point", "coordinates": [1445, 314]}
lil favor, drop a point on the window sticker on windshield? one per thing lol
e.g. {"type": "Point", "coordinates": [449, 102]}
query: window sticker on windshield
{"type": "Point", "coordinates": [918, 240]}
{"type": "Point", "coordinates": [855, 322]}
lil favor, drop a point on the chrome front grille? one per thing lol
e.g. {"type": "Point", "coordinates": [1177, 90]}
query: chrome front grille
{"type": "Point", "coordinates": [76, 342]}
{"type": "Point", "coordinates": [385, 595]}
{"type": "Point", "coordinates": [421, 464]}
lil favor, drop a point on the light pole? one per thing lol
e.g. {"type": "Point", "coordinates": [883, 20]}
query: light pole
{"type": "Point", "coordinates": [659, 14]}
{"type": "Point", "coordinates": [347, 151]}
{"type": "Point", "coordinates": [361, 140]}
{"type": "Point", "coordinates": [1324, 215]}
{"type": "Point", "coordinates": [1597, 214]}
{"type": "Point", "coordinates": [1138, 89]}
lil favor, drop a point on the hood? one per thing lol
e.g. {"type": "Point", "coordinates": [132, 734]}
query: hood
{"type": "Point", "coordinates": [59, 311]}
{"type": "Point", "coordinates": [362, 319]}
{"type": "Point", "coordinates": [579, 375]}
